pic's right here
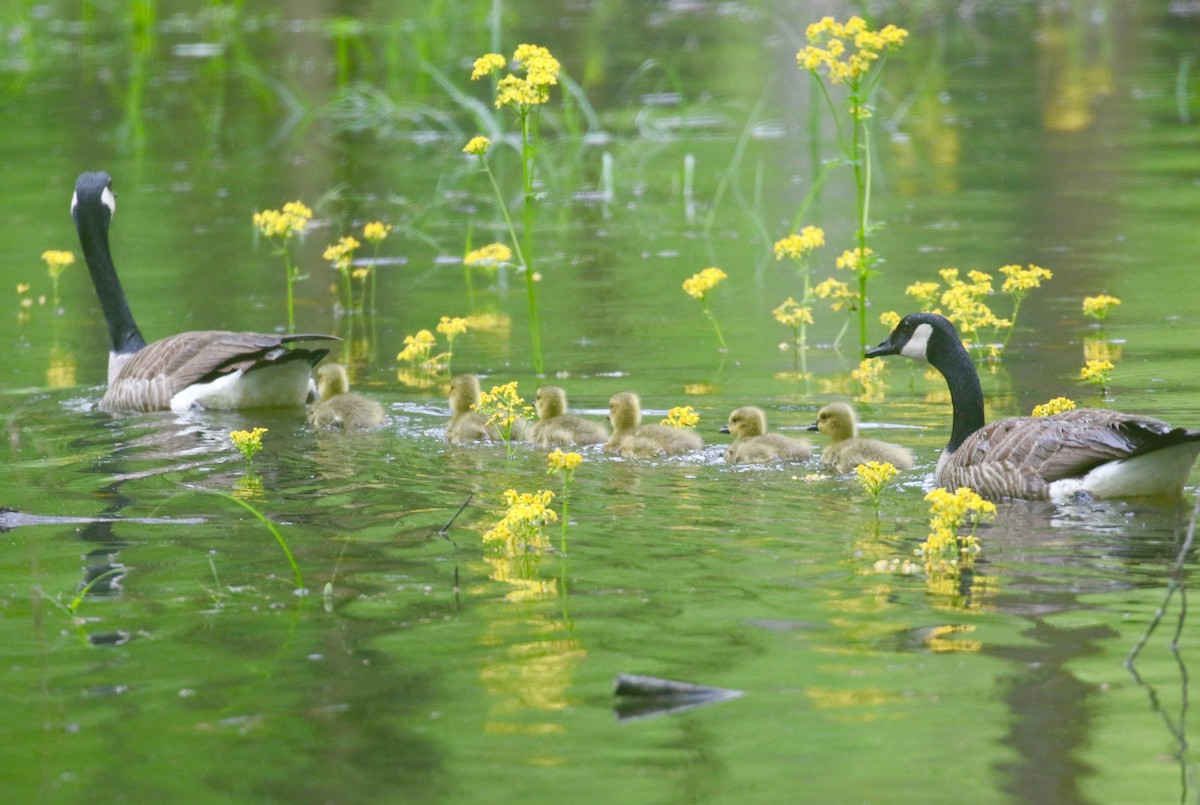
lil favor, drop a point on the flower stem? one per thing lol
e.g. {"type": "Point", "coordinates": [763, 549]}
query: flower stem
{"type": "Point", "coordinates": [528, 154]}
{"type": "Point", "coordinates": [716, 327]}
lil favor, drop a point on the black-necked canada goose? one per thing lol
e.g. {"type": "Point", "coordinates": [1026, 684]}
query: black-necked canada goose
{"type": "Point", "coordinates": [847, 449]}
{"type": "Point", "coordinates": [1103, 453]}
{"type": "Point", "coordinates": [753, 445]}
{"type": "Point", "coordinates": [466, 424]}
{"type": "Point", "coordinates": [631, 439]}
{"type": "Point", "coordinates": [201, 369]}
{"type": "Point", "coordinates": [338, 406]}
{"type": "Point", "coordinates": [556, 428]}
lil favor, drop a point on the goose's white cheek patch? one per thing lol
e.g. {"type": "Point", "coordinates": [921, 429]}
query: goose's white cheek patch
{"type": "Point", "coordinates": [918, 343]}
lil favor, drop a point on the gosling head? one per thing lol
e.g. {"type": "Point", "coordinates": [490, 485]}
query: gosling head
{"type": "Point", "coordinates": [836, 421]}
{"type": "Point", "coordinates": [464, 393]}
{"type": "Point", "coordinates": [624, 411]}
{"type": "Point", "coordinates": [332, 380]}
{"type": "Point", "coordinates": [551, 401]}
{"type": "Point", "coordinates": [745, 422]}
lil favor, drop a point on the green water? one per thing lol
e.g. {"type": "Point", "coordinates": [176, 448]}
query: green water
{"type": "Point", "coordinates": [417, 664]}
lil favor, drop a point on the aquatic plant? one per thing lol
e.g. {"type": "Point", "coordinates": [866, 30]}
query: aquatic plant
{"type": "Point", "coordinates": [275, 532]}
{"type": "Point", "coordinates": [945, 553]}
{"type": "Point", "coordinates": [869, 376]}
{"type": "Point", "coordinates": [1098, 373]}
{"type": "Point", "coordinates": [525, 95]}
{"type": "Point", "coordinates": [374, 232]}
{"type": "Point", "coordinates": [841, 298]}
{"type": "Point", "coordinates": [849, 54]}
{"type": "Point", "coordinates": [798, 315]}
{"type": "Point", "coordinates": [681, 416]}
{"type": "Point", "coordinates": [1054, 406]}
{"type": "Point", "coordinates": [451, 327]}
{"type": "Point", "coordinates": [698, 286]}
{"type": "Point", "coordinates": [341, 254]}
{"type": "Point", "coordinates": [564, 464]}
{"type": "Point", "coordinates": [523, 527]}
{"type": "Point", "coordinates": [279, 227]}
{"type": "Point", "coordinates": [56, 263]}
{"type": "Point", "coordinates": [503, 407]}
{"type": "Point", "coordinates": [874, 476]}
{"type": "Point", "coordinates": [1098, 307]}
{"type": "Point", "coordinates": [248, 442]}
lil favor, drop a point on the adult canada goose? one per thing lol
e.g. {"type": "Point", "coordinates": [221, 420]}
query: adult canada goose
{"type": "Point", "coordinates": [753, 445]}
{"type": "Point", "coordinates": [467, 424]}
{"type": "Point", "coordinates": [631, 439]}
{"type": "Point", "coordinates": [338, 406]}
{"type": "Point", "coordinates": [847, 449]}
{"type": "Point", "coordinates": [1102, 453]}
{"type": "Point", "coordinates": [556, 428]}
{"type": "Point", "coordinates": [201, 369]}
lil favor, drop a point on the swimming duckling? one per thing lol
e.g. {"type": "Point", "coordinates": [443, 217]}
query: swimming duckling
{"type": "Point", "coordinates": [556, 428]}
{"type": "Point", "coordinates": [467, 425]}
{"type": "Point", "coordinates": [337, 407]}
{"type": "Point", "coordinates": [631, 439]}
{"type": "Point", "coordinates": [847, 450]}
{"type": "Point", "coordinates": [753, 445]}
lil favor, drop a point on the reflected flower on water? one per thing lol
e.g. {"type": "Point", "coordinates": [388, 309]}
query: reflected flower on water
{"type": "Point", "coordinates": [940, 639]}
{"type": "Point", "coordinates": [1100, 349]}
{"type": "Point", "coordinates": [61, 371]}
{"type": "Point", "coordinates": [869, 375]}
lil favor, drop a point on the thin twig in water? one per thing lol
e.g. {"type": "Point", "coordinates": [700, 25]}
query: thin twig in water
{"type": "Point", "coordinates": [1176, 583]}
{"type": "Point", "coordinates": [442, 531]}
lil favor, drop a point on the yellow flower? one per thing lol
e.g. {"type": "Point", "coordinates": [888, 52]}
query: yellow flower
{"type": "Point", "coordinates": [451, 327]}
{"type": "Point", "coordinates": [487, 64]}
{"type": "Point", "coordinates": [842, 298]}
{"type": "Point", "coordinates": [341, 254]}
{"type": "Point", "coordinates": [503, 407]}
{"type": "Point", "coordinates": [22, 287]}
{"type": "Point", "coordinates": [944, 551]}
{"type": "Point", "coordinates": [926, 294]}
{"type": "Point", "coordinates": [417, 347]}
{"type": "Point", "coordinates": [248, 442]}
{"type": "Point", "coordinates": [521, 526]}
{"type": "Point", "coordinates": [285, 223]}
{"type": "Point", "coordinates": [1055, 406]}
{"type": "Point", "coordinates": [792, 314]}
{"type": "Point", "coordinates": [57, 261]}
{"type": "Point", "coordinates": [1021, 281]}
{"type": "Point", "coordinates": [682, 416]}
{"type": "Point", "coordinates": [797, 246]}
{"type": "Point", "coordinates": [493, 254]}
{"type": "Point", "coordinates": [875, 475]}
{"type": "Point", "coordinates": [856, 259]}
{"type": "Point", "coordinates": [1097, 307]}
{"type": "Point", "coordinates": [477, 146]}
{"type": "Point", "coordinates": [699, 284]}
{"type": "Point", "coordinates": [1096, 372]}
{"type": "Point", "coordinates": [563, 462]}
{"type": "Point", "coordinates": [376, 231]}
{"type": "Point", "coordinates": [828, 48]}
{"type": "Point", "coordinates": [889, 319]}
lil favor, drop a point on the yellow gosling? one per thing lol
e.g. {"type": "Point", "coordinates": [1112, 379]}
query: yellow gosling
{"type": "Point", "coordinates": [753, 445]}
{"type": "Point", "coordinates": [556, 428]}
{"type": "Point", "coordinates": [467, 425]}
{"type": "Point", "coordinates": [338, 407]}
{"type": "Point", "coordinates": [847, 450]}
{"type": "Point", "coordinates": [631, 439]}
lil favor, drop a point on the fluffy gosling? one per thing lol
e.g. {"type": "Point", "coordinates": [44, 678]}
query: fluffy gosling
{"type": "Point", "coordinates": [338, 407]}
{"type": "Point", "coordinates": [753, 445]}
{"type": "Point", "coordinates": [466, 424]}
{"type": "Point", "coordinates": [631, 439]}
{"type": "Point", "coordinates": [847, 450]}
{"type": "Point", "coordinates": [556, 428]}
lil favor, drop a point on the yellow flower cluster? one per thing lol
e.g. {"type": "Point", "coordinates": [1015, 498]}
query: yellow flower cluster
{"type": "Point", "coordinates": [682, 416]}
{"type": "Point", "coordinates": [963, 302]}
{"type": "Point", "coordinates": [1055, 406]}
{"type": "Point", "coordinates": [869, 375]}
{"type": "Point", "coordinates": [792, 314]}
{"type": "Point", "coordinates": [699, 284]}
{"type": "Point", "coordinates": [1020, 281]}
{"type": "Point", "coordinates": [875, 475]}
{"type": "Point", "coordinates": [491, 254]}
{"type": "Point", "coordinates": [341, 254]}
{"type": "Point", "coordinates": [541, 72]}
{"type": "Point", "coordinates": [944, 551]}
{"type": "Point", "coordinates": [285, 223]}
{"type": "Point", "coordinates": [503, 407]}
{"type": "Point", "coordinates": [1096, 372]}
{"type": "Point", "coordinates": [1096, 307]}
{"type": "Point", "coordinates": [926, 294]}
{"type": "Point", "coordinates": [846, 50]}
{"type": "Point", "coordinates": [856, 259]}
{"type": "Point", "coordinates": [417, 347]}
{"type": "Point", "coordinates": [375, 231]}
{"type": "Point", "coordinates": [451, 327]}
{"type": "Point", "coordinates": [477, 146]}
{"type": "Point", "coordinates": [839, 294]}
{"type": "Point", "coordinates": [889, 319]}
{"type": "Point", "coordinates": [57, 261]}
{"type": "Point", "coordinates": [798, 246]}
{"type": "Point", "coordinates": [248, 442]}
{"type": "Point", "coordinates": [522, 524]}
{"type": "Point", "coordinates": [563, 462]}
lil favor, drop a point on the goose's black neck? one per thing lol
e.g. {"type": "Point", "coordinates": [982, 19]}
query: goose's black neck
{"type": "Point", "coordinates": [966, 394]}
{"type": "Point", "coordinates": [92, 217]}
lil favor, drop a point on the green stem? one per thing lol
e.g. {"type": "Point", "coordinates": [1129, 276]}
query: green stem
{"type": "Point", "coordinates": [566, 499]}
{"type": "Point", "coordinates": [716, 327]}
{"type": "Point", "coordinates": [528, 153]}
{"type": "Point", "coordinates": [291, 272]}
{"type": "Point", "coordinates": [271, 527]}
